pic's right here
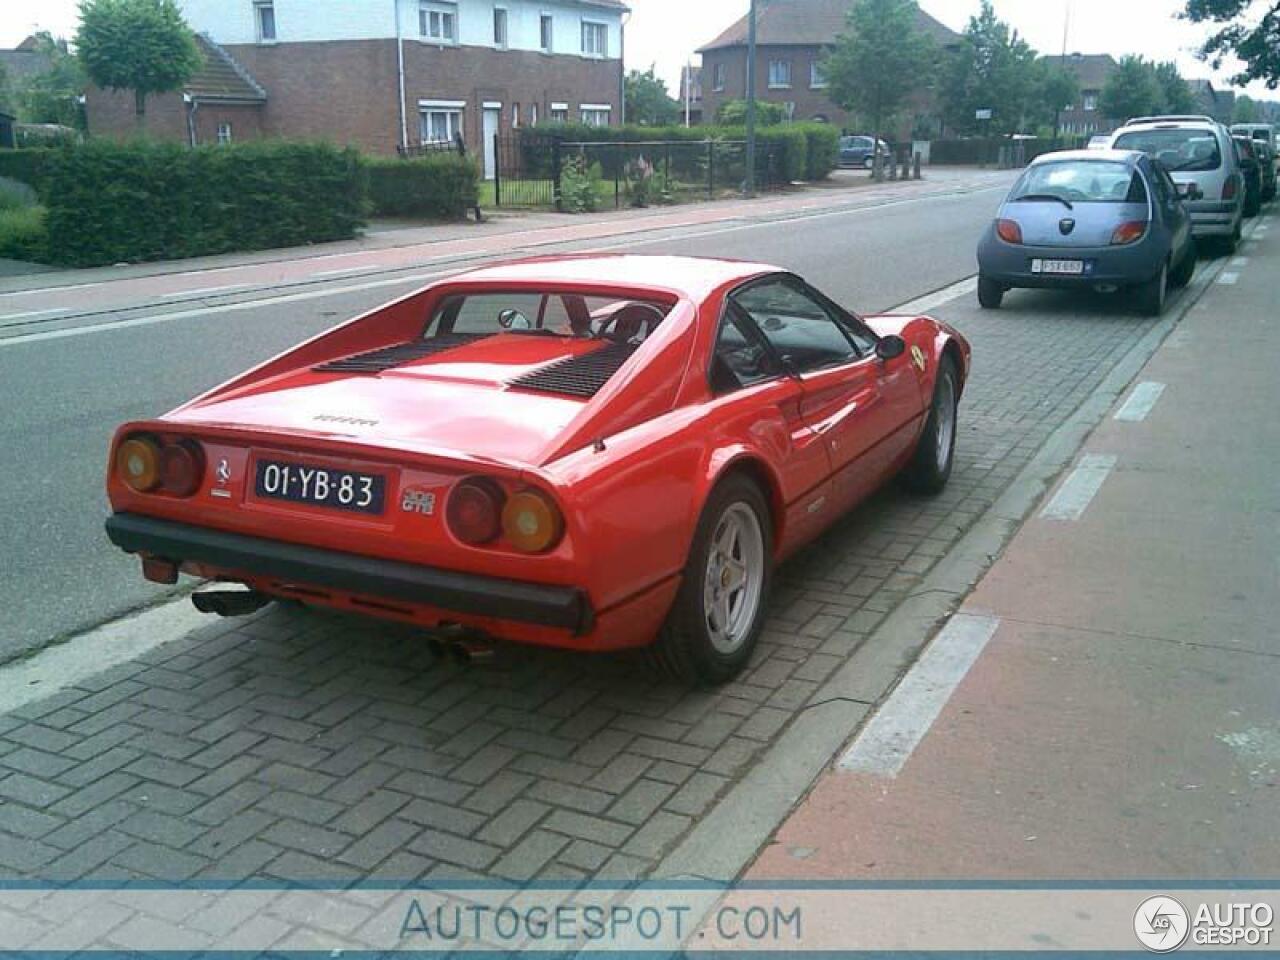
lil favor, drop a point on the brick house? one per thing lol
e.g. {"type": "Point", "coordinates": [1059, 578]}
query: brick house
{"type": "Point", "coordinates": [1092, 71]}
{"type": "Point", "coordinates": [793, 37]}
{"type": "Point", "coordinates": [381, 73]}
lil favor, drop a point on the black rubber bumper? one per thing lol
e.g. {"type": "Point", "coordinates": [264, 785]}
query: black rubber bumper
{"type": "Point", "coordinates": [566, 608]}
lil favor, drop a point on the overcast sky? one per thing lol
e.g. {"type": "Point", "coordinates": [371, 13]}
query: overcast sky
{"type": "Point", "coordinates": [666, 32]}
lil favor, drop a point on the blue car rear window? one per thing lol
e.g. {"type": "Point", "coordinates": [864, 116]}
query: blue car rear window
{"type": "Point", "coordinates": [1082, 181]}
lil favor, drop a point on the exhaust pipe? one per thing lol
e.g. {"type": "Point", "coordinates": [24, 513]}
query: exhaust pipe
{"type": "Point", "coordinates": [462, 645]}
{"type": "Point", "coordinates": [229, 603]}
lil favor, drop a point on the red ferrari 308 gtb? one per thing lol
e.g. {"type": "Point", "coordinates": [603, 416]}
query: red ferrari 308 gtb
{"type": "Point", "coordinates": [591, 452]}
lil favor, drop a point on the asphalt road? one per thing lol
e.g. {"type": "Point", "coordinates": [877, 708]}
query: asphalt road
{"type": "Point", "coordinates": [63, 397]}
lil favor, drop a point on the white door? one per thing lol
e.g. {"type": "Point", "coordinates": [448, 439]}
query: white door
{"type": "Point", "coordinates": [490, 131]}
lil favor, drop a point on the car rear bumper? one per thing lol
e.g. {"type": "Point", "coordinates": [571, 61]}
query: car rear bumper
{"type": "Point", "coordinates": [565, 608]}
{"type": "Point", "coordinates": [1214, 219]}
{"type": "Point", "coordinates": [1104, 266]}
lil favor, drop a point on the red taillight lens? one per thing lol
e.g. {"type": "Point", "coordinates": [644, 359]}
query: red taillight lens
{"type": "Point", "coordinates": [1129, 232]}
{"type": "Point", "coordinates": [474, 513]}
{"type": "Point", "coordinates": [1009, 231]}
{"type": "Point", "coordinates": [181, 468]}
{"type": "Point", "coordinates": [1229, 189]}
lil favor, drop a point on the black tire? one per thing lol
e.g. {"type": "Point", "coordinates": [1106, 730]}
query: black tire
{"type": "Point", "coordinates": [930, 468]}
{"type": "Point", "coordinates": [1185, 269]}
{"type": "Point", "coordinates": [684, 648]}
{"type": "Point", "coordinates": [1252, 207]}
{"type": "Point", "coordinates": [990, 294]}
{"type": "Point", "coordinates": [1232, 243]}
{"type": "Point", "coordinates": [869, 163]}
{"type": "Point", "coordinates": [1150, 297]}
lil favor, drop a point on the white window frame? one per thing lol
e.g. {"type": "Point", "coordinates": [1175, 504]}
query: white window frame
{"type": "Point", "coordinates": [515, 116]}
{"type": "Point", "coordinates": [559, 113]}
{"type": "Point", "coordinates": [817, 77]}
{"type": "Point", "coordinates": [546, 32]}
{"type": "Point", "coordinates": [1090, 102]}
{"type": "Point", "coordinates": [224, 132]}
{"type": "Point", "coordinates": [433, 14]}
{"type": "Point", "coordinates": [533, 114]}
{"type": "Point", "coordinates": [719, 74]}
{"type": "Point", "coordinates": [776, 81]}
{"type": "Point", "coordinates": [501, 28]}
{"type": "Point", "coordinates": [260, 7]}
{"type": "Point", "coordinates": [598, 112]}
{"type": "Point", "coordinates": [599, 32]}
{"type": "Point", "coordinates": [452, 110]}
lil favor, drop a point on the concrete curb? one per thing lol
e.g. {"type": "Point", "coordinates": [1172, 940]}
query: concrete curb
{"type": "Point", "coordinates": [726, 840]}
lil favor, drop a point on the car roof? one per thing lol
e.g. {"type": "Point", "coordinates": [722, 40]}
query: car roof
{"type": "Point", "coordinates": [1173, 123]}
{"type": "Point", "coordinates": [1132, 157]}
{"type": "Point", "coordinates": [691, 277]}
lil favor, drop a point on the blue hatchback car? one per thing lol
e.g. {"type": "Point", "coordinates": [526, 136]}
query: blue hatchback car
{"type": "Point", "coordinates": [1103, 220]}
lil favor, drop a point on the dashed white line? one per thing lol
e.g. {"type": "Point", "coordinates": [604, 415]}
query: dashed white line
{"type": "Point", "coordinates": [203, 291]}
{"type": "Point", "coordinates": [888, 740]}
{"type": "Point", "coordinates": [1228, 279]}
{"type": "Point", "coordinates": [1240, 262]}
{"type": "Point", "coordinates": [33, 313]}
{"type": "Point", "coordinates": [338, 273]}
{"type": "Point", "coordinates": [1140, 402]}
{"type": "Point", "coordinates": [1079, 489]}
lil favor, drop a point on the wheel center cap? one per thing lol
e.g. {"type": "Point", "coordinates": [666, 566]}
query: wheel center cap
{"type": "Point", "coordinates": [724, 577]}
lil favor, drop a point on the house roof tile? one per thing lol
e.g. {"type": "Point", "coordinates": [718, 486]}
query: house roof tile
{"type": "Point", "coordinates": [220, 77]}
{"type": "Point", "coordinates": [1091, 70]}
{"type": "Point", "coordinates": [810, 23]}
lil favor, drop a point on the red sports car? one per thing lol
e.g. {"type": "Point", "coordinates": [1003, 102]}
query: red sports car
{"type": "Point", "coordinates": [591, 452]}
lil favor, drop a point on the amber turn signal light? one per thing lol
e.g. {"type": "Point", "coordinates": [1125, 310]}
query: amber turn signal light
{"type": "Point", "coordinates": [138, 464]}
{"type": "Point", "coordinates": [531, 522]}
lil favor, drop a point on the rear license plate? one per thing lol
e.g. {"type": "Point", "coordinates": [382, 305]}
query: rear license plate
{"type": "Point", "coordinates": [320, 486]}
{"type": "Point", "coordinates": [1057, 266]}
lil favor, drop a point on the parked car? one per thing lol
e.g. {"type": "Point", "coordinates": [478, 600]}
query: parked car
{"type": "Point", "coordinates": [1102, 220]}
{"type": "Point", "coordinates": [1267, 156]}
{"type": "Point", "coordinates": [1251, 167]}
{"type": "Point", "coordinates": [1195, 150]}
{"type": "Point", "coordinates": [1256, 131]}
{"type": "Point", "coordinates": [591, 452]}
{"type": "Point", "coordinates": [1100, 141]}
{"type": "Point", "coordinates": [858, 151]}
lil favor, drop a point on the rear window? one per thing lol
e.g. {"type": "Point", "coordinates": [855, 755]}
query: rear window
{"type": "Point", "coordinates": [550, 313]}
{"type": "Point", "coordinates": [1081, 181]}
{"type": "Point", "coordinates": [1185, 150]}
{"type": "Point", "coordinates": [855, 143]}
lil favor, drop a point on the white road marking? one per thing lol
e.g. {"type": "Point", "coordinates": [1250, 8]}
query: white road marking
{"type": "Point", "coordinates": [887, 741]}
{"type": "Point", "coordinates": [200, 291]}
{"type": "Point", "coordinates": [118, 642]}
{"type": "Point", "coordinates": [934, 300]}
{"type": "Point", "coordinates": [33, 313]}
{"type": "Point", "coordinates": [338, 273]}
{"type": "Point", "coordinates": [1079, 489]}
{"type": "Point", "coordinates": [1140, 402]}
{"type": "Point", "coordinates": [1240, 262]}
{"type": "Point", "coordinates": [1228, 279]}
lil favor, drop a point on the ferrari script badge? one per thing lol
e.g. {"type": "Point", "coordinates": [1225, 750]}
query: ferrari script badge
{"type": "Point", "coordinates": [917, 357]}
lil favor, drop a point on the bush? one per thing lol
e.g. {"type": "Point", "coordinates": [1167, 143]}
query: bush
{"type": "Point", "coordinates": [823, 150]}
{"type": "Point", "coordinates": [578, 186]}
{"type": "Point", "coordinates": [26, 166]}
{"type": "Point", "coordinates": [22, 233]}
{"type": "Point", "coordinates": [111, 202]}
{"type": "Point", "coordinates": [442, 185]}
{"type": "Point", "coordinates": [733, 113]}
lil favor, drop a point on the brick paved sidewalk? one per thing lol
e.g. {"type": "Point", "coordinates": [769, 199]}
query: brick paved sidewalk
{"type": "Point", "coordinates": [303, 746]}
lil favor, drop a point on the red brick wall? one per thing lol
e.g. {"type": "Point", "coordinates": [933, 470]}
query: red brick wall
{"type": "Point", "coordinates": [111, 114]}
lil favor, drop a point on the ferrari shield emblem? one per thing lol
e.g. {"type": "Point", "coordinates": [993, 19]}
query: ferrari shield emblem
{"type": "Point", "coordinates": [917, 357]}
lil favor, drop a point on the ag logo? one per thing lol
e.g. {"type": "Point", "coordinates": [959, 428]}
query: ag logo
{"type": "Point", "coordinates": [917, 357]}
{"type": "Point", "coordinates": [1161, 924]}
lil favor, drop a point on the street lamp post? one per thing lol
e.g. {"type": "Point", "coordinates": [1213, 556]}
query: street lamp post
{"type": "Point", "coordinates": [751, 101]}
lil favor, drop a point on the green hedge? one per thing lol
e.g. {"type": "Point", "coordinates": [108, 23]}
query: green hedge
{"type": "Point", "coordinates": [26, 166]}
{"type": "Point", "coordinates": [441, 185]}
{"type": "Point", "coordinates": [113, 202]}
{"type": "Point", "coordinates": [823, 150]}
{"type": "Point", "coordinates": [22, 234]}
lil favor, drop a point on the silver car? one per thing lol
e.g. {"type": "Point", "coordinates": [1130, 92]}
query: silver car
{"type": "Point", "coordinates": [1195, 150]}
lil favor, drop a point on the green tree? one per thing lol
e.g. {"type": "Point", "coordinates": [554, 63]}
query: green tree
{"type": "Point", "coordinates": [733, 113]}
{"type": "Point", "coordinates": [1132, 91]}
{"type": "Point", "coordinates": [1059, 89]}
{"type": "Point", "coordinates": [140, 45]}
{"type": "Point", "coordinates": [53, 95]}
{"type": "Point", "coordinates": [1247, 30]}
{"type": "Point", "coordinates": [880, 60]}
{"type": "Point", "coordinates": [1245, 110]}
{"type": "Point", "coordinates": [648, 102]}
{"type": "Point", "coordinates": [993, 69]}
{"type": "Point", "coordinates": [1175, 93]}
{"type": "Point", "coordinates": [6, 92]}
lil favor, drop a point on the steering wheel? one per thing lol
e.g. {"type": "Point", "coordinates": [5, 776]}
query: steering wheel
{"type": "Point", "coordinates": [625, 325]}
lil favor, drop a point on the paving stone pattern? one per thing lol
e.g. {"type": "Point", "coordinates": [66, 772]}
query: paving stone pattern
{"type": "Point", "coordinates": [304, 746]}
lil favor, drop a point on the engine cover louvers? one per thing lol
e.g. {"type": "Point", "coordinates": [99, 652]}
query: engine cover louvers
{"type": "Point", "coordinates": [581, 376]}
{"type": "Point", "coordinates": [387, 358]}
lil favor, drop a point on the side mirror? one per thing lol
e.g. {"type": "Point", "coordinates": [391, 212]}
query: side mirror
{"type": "Point", "coordinates": [887, 348]}
{"type": "Point", "coordinates": [513, 320]}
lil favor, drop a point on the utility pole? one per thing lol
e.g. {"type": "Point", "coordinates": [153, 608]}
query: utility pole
{"type": "Point", "coordinates": [751, 101]}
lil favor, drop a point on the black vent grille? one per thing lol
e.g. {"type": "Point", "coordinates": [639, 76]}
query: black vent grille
{"type": "Point", "coordinates": [386, 358]}
{"type": "Point", "coordinates": [581, 376]}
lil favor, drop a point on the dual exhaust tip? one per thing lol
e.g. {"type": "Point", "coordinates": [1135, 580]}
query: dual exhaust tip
{"type": "Point", "coordinates": [452, 642]}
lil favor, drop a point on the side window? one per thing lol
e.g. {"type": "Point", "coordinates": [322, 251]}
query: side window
{"type": "Point", "coordinates": [799, 328]}
{"type": "Point", "coordinates": [740, 359]}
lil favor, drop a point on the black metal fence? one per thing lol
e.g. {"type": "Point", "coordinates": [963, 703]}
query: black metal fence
{"type": "Point", "coordinates": [541, 171]}
{"type": "Point", "coordinates": [456, 145]}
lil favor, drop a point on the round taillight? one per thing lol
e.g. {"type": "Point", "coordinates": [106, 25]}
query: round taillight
{"type": "Point", "coordinates": [474, 513]}
{"type": "Point", "coordinates": [531, 522]}
{"type": "Point", "coordinates": [138, 464]}
{"type": "Point", "coordinates": [181, 468]}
